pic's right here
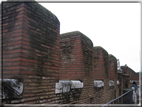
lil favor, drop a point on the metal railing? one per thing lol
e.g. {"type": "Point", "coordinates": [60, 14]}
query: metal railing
{"type": "Point", "coordinates": [118, 100]}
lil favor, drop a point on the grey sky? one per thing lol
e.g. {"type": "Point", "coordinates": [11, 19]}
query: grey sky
{"type": "Point", "coordinates": [114, 26]}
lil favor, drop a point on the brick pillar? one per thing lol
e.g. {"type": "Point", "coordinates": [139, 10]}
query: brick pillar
{"type": "Point", "coordinates": [120, 86]}
{"type": "Point", "coordinates": [76, 62]}
{"type": "Point", "coordinates": [113, 74]}
{"type": "Point", "coordinates": [31, 50]}
{"type": "Point", "coordinates": [112, 68]}
{"type": "Point", "coordinates": [72, 66]}
{"type": "Point", "coordinates": [126, 79]}
{"type": "Point", "coordinates": [76, 56]}
{"type": "Point", "coordinates": [100, 72]}
{"type": "Point", "coordinates": [100, 63]}
{"type": "Point", "coordinates": [126, 73]}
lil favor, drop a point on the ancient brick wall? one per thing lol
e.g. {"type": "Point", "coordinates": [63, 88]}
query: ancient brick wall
{"type": "Point", "coordinates": [125, 69]}
{"type": "Point", "coordinates": [31, 50]}
{"type": "Point", "coordinates": [121, 85]}
{"type": "Point", "coordinates": [76, 62]}
{"type": "Point", "coordinates": [105, 68]}
{"type": "Point", "coordinates": [101, 72]}
{"type": "Point", "coordinates": [104, 94]}
{"type": "Point", "coordinates": [87, 91]}
{"type": "Point", "coordinates": [133, 76]}
{"type": "Point", "coordinates": [71, 56]}
{"type": "Point", "coordinates": [11, 39]}
{"type": "Point", "coordinates": [113, 73]}
{"type": "Point", "coordinates": [100, 63]}
{"type": "Point", "coordinates": [126, 76]}
{"type": "Point", "coordinates": [126, 81]}
{"type": "Point", "coordinates": [38, 56]}
{"type": "Point", "coordinates": [112, 68]}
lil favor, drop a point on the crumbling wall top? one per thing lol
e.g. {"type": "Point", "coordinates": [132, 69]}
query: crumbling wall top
{"type": "Point", "coordinates": [35, 5]}
{"type": "Point", "coordinates": [75, 33]}
{"type": "Point", "coordinates": [100, 48]}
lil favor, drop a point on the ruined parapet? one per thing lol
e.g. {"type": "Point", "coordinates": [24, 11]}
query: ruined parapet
{"type": "Point", "coordinates": [76, 55]}
{"type": "Point", "coordinates": [112, 68]}
{"type": "Point", "coordinates": [125, 70]}
{"type": "Point", "coordinates": [121, 83]}
{"type": "Point", "coordinates": [132, 74]}
{"type": "Point", "coordinates": [113, 75]}
{"type": "Point", "coordinates": [31, 49]}
{"type": "Point", "coordinates": [100, 63]}
{"type": "Point", "coordinates": [100, 73]}
{"type": "Point", "coordinates": [77, 62]}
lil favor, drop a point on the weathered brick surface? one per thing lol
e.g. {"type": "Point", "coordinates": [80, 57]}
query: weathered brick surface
{"type": "Point", "coordinates": [11, 39]}
{"type": "Point", "coordinates": [126, 77]}
{"type": "Point", "coordinates": [121, 85]}
{"type": "Point", "coordinates": [35, 53]}
{"type": "Point", "coordinates": [112, 68]}
{"type": "Point", "coordinates": [100, 72]}
{"type": "Point", "coordinates": [100, 63]}
{"type": "Point", "coordinates": [113, 73]}
{"type": "Point", "coordinates": [105, 68]}
{"type": "Point", "coordinates": [76, 55]}
{"type": "Point", "coordinates": [76, 62]}
{"type": "Point", "coordinates": [133, 76]}
{"type": "Point", "coordinates": [31, 50]}
{"type": "Point", "coordinates": [125, 69]}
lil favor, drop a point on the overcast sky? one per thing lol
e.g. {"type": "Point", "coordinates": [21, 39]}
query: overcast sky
{"type": "Point", "coordinates": [113, 26]}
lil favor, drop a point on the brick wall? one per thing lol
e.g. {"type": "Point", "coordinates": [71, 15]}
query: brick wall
{"type": "Point", "coordinates": [126, 81]}
{"type": "Point", "coordinates": [113, 73]}
{"type": "Point", "coordinates": [121, 85]}
{"type": "Point", "coordinates": [31, 50]}
{"type": "Point", "coordinates": [133, 76]}
{"type": "Point", "coordinates": [125, 69]}
{"type": "Point", "coordinates": [76, 62]}
{"type": "Point", "coordinates": [76, 55]}
{"type": "Point", "coordinates": [11, 39]}
{"type": "Point", "coordinates": [105, 68]}
{"type": "Point", "coordinates": [112, 68]}
{"type": "Point", "coordinates": [100, 63]}
{"type": "Point", "coordinates": [71, 56]}
{"type": "Point", "coordinates": [101, 72]}
{"type": "Point", "coordinates": [36, 55]}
